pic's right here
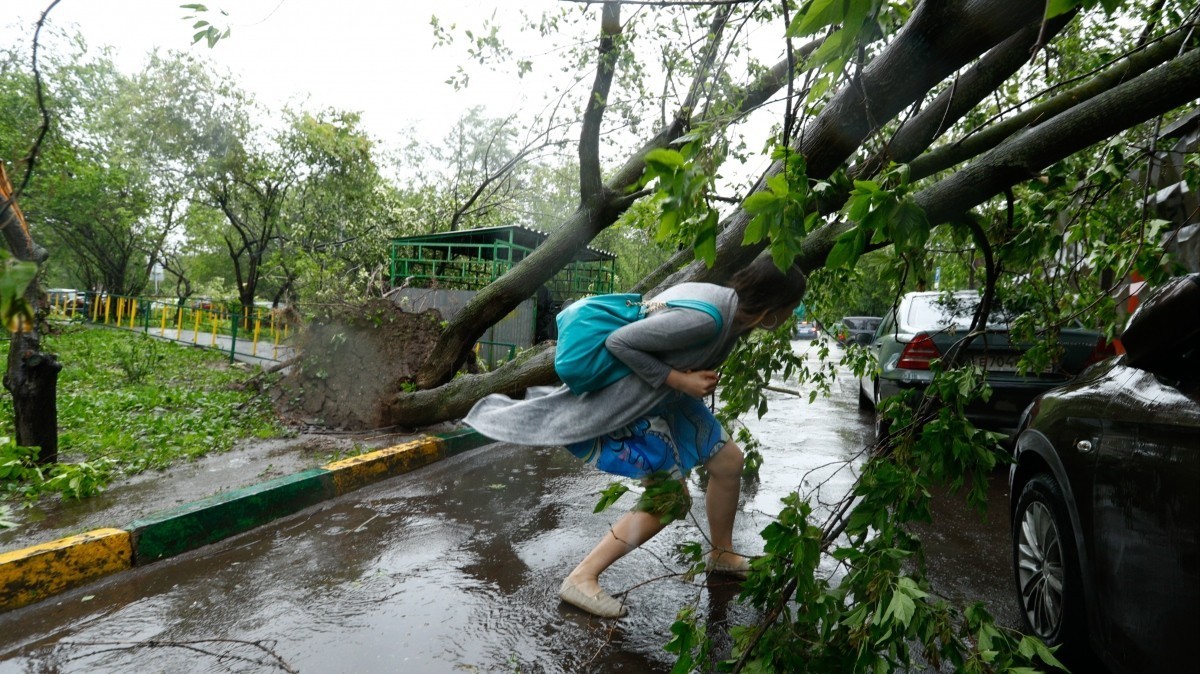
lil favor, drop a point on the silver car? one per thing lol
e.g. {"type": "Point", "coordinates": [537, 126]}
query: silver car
{"type": "Point", "coordinates": [925, 325]}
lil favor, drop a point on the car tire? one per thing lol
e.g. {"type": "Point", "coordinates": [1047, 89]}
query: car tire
{"type": "Point", "coordinates": [1045, 566]}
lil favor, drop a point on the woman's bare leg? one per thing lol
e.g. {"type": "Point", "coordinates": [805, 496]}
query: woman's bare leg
{"type": "Point", "coordinates": [633, 529]}
{"type": "Point", "coordinates": [721, 503]}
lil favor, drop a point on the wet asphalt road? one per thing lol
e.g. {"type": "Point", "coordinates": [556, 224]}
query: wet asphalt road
{"type": "Point", "coordinates": [456, 567]}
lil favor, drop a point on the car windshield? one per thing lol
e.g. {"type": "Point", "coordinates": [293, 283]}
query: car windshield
{"type": "Point", "coordinates": [951, 310]}
{"type": "Point", "coordinates": [860, 323]}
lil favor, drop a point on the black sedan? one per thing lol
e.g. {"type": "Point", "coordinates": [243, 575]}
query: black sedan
{"type": "Point", "coordinates": [1105, 497]}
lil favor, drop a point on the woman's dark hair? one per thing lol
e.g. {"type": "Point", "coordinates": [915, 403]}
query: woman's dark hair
{"type": "Point", "coordinates": [762, 287]}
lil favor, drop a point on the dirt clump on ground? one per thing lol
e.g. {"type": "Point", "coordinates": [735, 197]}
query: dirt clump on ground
{"type": "Point", "coordinates": [353, 359]}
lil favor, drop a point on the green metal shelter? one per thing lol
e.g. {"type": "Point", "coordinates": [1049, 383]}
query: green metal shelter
{"type": "Point", "coordinates": [472, 258]}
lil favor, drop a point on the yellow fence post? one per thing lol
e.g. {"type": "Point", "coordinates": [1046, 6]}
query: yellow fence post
{"type": "Point", "coordinates": [214, 329]}
{"type": "Point", "coordinates": [162, 324]}
{"type": "Point", "coordinates": [179, 323]}
{"type": "Point", "coordinates": [195, 326]}
{"type": "Point", "coordinates": [133, 305]}
{"type": "Point", "coordinates": [257, 329]}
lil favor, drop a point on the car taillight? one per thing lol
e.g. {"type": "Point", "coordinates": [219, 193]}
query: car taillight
{"type": "Point", "coordinates": [917, 353]}
{"type": "Point", "coordinates": [1104, 349]}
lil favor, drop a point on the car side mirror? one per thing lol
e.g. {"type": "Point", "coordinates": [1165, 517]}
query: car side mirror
{"type": "Point", "coordinates": [1165, 329]}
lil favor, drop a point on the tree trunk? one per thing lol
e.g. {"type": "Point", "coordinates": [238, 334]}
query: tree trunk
{"type": "Point", "coordinates": [32, 376]}
{"type": "Point", "coordinates": [452, 401]}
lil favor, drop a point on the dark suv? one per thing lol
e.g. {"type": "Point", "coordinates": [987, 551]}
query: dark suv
{"type": "Point", "coordinates": [1105, 497]}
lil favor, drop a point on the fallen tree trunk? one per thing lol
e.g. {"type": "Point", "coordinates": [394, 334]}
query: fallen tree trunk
{"type": "Point", "coordinates": [534, 367]}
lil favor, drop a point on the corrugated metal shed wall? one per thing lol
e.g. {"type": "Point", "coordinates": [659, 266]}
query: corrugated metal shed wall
{"type": "Point", "coordinates": [514, 331]}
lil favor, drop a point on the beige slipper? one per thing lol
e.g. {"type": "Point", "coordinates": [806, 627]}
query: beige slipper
{"type": "Point", "coordinates": [740, 569]}
{"type": "Point", "coordinates": [600, 605]}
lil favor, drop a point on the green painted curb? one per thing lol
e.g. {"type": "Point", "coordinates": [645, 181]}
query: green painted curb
{"type": "Point", "coordinates": [209, 520]}
{"type": "Point", "coordinates": [457, 442]}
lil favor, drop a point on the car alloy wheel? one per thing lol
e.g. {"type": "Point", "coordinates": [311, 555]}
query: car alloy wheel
{"type": "Point", "coordinates": [1040, 570]}
{"type": "Point", "coordinates": [1047, 572]}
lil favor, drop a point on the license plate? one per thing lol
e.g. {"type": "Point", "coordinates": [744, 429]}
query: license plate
{"type": "Point", "coordinates": [997, 362]}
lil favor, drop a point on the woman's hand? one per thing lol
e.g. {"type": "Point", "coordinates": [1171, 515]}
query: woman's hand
{"type": "Point", "coordinates": [696, 383]}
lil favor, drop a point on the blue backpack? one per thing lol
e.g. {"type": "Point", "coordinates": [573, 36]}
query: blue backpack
{"type": "Point", "coordinates": [580, 358]}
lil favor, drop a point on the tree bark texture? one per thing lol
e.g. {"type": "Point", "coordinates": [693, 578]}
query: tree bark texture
{"type": "Point", "coordinates": [31, 375]}
{"type": "Point", "coordinates": [32, 378]}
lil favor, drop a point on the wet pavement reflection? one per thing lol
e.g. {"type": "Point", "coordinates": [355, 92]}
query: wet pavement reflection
{"type": "Point", "coordinates": [455, 568]}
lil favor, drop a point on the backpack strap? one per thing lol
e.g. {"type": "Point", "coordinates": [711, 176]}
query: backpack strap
{"type": "Point", "coordinates": [700, 305]}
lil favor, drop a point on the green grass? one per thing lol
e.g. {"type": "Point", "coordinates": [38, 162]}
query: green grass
{"type": "Point", "coordinates": [144, 403]}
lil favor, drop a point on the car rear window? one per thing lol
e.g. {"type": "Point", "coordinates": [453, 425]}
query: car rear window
{"type": "Point", "coordinates": [943, 311]}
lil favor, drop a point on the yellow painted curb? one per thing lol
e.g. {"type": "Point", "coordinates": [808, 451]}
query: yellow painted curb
{"type": "Point", "coordinates": [39, 571]}
{"type": "Point", "coordinates": [359, 471]}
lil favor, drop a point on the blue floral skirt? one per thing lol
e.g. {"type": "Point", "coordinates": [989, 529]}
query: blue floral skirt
{"type": "Point", "coordinates": [679, 434]}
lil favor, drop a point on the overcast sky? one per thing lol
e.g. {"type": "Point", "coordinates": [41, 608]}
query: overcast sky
{"type": "Point", "coordinates": [374, 56]}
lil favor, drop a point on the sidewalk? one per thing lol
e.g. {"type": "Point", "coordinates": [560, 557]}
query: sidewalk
{"type": "Point", "coordinates": [262, 352]}
{"type": "Point", "coordinates": [159, 514]}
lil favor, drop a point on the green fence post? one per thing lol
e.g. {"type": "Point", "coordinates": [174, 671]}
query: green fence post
{"type": "Point", "coordinates": [233, 319]}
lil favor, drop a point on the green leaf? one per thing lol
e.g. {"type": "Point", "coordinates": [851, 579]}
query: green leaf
{"type": "Point", "coordinates": [665, 157]}
{"type": "Point", "coordinates": [820, 13]}
{"type": "Point", "coordinates": [778, 184]}
{"type": "Point", "coordinates": [706, 243]}
{"type": "Point", "coordinates": [832, 51]}
{"type": "Point", "coordinates": [910, 227]}
{"type": "Point", "coordinates": [901, 607]}
{"type": "Point", "coordinates": [15, 277]}
{"type": "Point", "coordinates": [1056, 7]}
{"type": "Point", "coordinates": [756, 229]}
{"type": "Point", "coordinates": [609, 496]}
{"type": "Point", "coordinates": [759, 201]}
{"type": "Point", "coordinates": [666, 225]}
{"type": "Point", "coordinates": [846, 249]}
{"type": "Point", "coordinates": [1047, 655]}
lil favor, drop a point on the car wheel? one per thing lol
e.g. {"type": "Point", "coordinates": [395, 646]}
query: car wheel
{"type": "Point", "coordinates": [1047, 572]}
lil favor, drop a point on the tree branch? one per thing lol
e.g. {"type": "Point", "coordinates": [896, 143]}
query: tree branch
{"type": "Point", "coordinates": [986, 139]}
{"type": "Point", "coordinates": [590, 181]}
{"type": "Point", "coordinates": [1000, 63]}
{"type": "Point", "coordinates": [1020, 158]}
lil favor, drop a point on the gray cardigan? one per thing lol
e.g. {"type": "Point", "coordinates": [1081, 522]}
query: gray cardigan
{"type": "Point", "coordinates": [683, 339]}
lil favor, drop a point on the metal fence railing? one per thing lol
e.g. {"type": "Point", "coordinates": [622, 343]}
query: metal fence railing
{"type": "Point", "coordinates": [258, 333]}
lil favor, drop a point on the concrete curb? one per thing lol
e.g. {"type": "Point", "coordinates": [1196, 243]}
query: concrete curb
{"type": "Point", "coordinates": [32, 574]}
